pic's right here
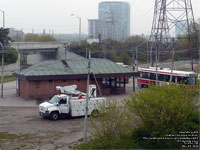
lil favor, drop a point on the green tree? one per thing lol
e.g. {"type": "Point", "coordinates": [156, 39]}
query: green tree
{"type": "Point", "coordinates": [46, 38]}
{"type": "Point", "coordinates": [11, 55]}
{"type": "Point", "coordinates": [4, 38]}
{"type": "Point", "coordinates": [31, 37]}
{"type": "Point", "coordinates": [37, 38]}
{"type": "Point", "coordinates": [118, 51]}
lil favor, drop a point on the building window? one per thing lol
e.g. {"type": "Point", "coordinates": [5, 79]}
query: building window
{"type": "Point", "coordinates": [113, 82]}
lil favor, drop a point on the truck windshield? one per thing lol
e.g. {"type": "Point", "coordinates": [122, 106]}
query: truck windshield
{"type": "Point", "coordinates": [54, 100]}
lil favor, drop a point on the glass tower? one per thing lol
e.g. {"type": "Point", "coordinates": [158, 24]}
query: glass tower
{"type": "Point", "coordinates": [116, 18]}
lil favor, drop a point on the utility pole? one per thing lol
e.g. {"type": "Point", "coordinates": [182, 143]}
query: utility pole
{"type": "Point", "coordinates": [156, 53]}
{"type": "Point", "coordinates": [136, 61]}
{"type": "Point", "coordinates": [172, 65]}
{"type": "Point", "coordinates": [133, 66]}
{"type": "Point", "coordinates": [87, 99]}
{"type": "Point", "coordinates": [86, 50]}
{"type": "Point", "coordinates": [2, 69]}
{"type": "Point", "coordinates": [147, 52]}
{"type": "Point", "coordinates": [199, 47]}
{"type": "Point", "coordinates": [79, 31]}
{"type": "Point", "coordinates": [151, 57]}
{"type": "Point", "coordinates": [65, 51]}
{"type": "Point", "coordinates": [2, 58]}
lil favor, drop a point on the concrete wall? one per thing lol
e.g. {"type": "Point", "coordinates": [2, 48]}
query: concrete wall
{"type": "Point", "coordinates": [41, 51]}
{"type": "Point", "coordinates": [33, 59]}
{"type": "Point", "coordinates": [64, 55]}
{"type": "Point", "coordinates": [61, 54]}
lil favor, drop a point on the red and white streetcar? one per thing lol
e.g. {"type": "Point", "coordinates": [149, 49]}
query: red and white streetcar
{"type": "Point", "coordinates": [148, 76]}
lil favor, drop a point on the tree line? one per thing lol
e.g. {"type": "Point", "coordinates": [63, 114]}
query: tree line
{"type": "Point", "coordinates": [121, 51]}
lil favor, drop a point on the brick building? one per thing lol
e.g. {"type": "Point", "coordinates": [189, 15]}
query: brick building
{"type": "Point", "coordinates": [40, 81]}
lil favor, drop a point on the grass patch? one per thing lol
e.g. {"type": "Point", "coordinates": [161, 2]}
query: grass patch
{"type": "Point", "coordinates": [9, 136]}
{"type": "Point", "coordinates": [125, 142]}
{"type": "Point", "coordinates": [4, 110]}
{"type": "Point", "coordinates": [8, 78]}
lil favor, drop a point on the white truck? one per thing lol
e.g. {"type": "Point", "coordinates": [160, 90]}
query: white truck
{"type": "Point", "coordinates": [69, 105]}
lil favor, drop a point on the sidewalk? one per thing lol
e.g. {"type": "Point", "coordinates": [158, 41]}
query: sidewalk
{"type": "Point", "coordinates": [10, 98]}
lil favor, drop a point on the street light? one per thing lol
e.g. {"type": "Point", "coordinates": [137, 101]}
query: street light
{"type": "Point", "coordinates": [79, 27]}
{"type": "Point", "coordinates": [3, 18]}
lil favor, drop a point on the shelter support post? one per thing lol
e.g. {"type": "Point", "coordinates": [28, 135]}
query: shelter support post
{"type": "Point", "coordinates": [133, 84]}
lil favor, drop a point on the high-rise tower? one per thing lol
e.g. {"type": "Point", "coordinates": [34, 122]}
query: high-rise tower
{"type": "Point", "coordinates": [116, 18]}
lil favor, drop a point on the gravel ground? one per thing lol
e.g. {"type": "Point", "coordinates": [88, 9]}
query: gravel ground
{"type": "Point", "coordinates": [22, 128]}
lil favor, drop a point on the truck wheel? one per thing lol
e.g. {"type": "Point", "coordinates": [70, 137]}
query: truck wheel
{"type": "Point", "coordinates": [54, 116]}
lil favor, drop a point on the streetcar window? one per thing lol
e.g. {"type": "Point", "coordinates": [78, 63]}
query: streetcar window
{"type": "Point", "coordinates": [144, 75]}
{"type": "Point", "coordinates": [167, 78]}
{"type": "Point", "coordinates": [161, 77]}
{"type": "Point", "coordinates": [152, 76]}
{"type": "Point", "coordinates": [182, 80]}
{"type": "Point", "coordinates": [191, 81]}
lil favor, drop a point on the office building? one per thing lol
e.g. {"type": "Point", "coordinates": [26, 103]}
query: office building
{"type": "Point", "coordinates": [117, 18]}
{"type": "Point", "coordinates": [113, 21]}
{"type": "Point", "coordinates": [96, 29]}
{"type": "Point", "coordinates": [16, 35]}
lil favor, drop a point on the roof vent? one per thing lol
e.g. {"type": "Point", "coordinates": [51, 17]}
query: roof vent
{"type": "Point", "coordinates": [65, 63]}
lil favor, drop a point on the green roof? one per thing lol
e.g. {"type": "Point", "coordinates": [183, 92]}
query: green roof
{"type": "Point", "coordinates": [73, 67]}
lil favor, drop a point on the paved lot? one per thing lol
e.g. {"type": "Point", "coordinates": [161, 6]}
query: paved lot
{"type": "Point", "coordinates": [22, 128]}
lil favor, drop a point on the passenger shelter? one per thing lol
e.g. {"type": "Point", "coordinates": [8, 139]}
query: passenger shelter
{"type": "Point", "coordinates": [40, 81]}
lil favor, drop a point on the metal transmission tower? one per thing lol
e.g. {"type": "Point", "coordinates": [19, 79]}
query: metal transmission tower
{"type": "Point", "coordinates": [172, 19]}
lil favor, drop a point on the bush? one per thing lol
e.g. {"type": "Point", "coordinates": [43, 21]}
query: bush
{"type": "Point", "coordinates": [10, 57]}
{"type": "Point", "coordinates": [111, 129]}
{"type": "Point", "coordinates": [164, 110]}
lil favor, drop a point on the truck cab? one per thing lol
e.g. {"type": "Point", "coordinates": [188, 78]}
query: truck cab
{"type": "Point", "coordinates": [58, 104]}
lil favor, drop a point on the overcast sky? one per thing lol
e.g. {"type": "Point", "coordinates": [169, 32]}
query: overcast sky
{"type": "Point", "coordinates": [56, 14]}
